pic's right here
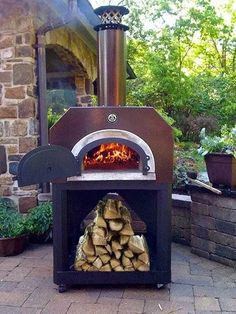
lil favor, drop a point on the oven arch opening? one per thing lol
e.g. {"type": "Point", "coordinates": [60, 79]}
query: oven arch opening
{"type": "Point", "coordinates": [139, 160]}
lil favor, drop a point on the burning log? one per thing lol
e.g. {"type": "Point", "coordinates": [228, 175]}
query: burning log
{"type": "Point", "coordinates": [109, 243]}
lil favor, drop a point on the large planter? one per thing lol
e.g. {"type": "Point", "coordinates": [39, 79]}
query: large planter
{"type": "Point", "coordinates": [12, 246]}
{"type": "Point", "coordinates": [221, 169]}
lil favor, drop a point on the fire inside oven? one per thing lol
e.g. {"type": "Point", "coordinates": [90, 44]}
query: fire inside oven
{"type": "Point", "coordinates": [111, 156]}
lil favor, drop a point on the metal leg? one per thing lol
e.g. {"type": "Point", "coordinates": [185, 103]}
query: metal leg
{"type": "Point", "coordinates": [62, 288]}
{"type": "Point", "coordinates": [163, 285]}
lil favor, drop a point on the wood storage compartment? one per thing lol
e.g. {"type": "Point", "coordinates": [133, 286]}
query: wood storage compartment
{"type": "Point", "coordinates": [109, 243]}
{"type": "Point", "coordinates": [119, 262]}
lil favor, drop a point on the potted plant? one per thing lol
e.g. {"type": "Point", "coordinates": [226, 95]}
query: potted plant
{"type": "Point", "coordinates": [39, 223]}
{"type": "Point", "coordinates": [220, 156]}
{"type": "Point", "coordinates": [13, 236]}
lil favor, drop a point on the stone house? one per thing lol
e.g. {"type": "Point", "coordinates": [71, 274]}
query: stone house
{"type": "Point", "coordinates": [68, 43]}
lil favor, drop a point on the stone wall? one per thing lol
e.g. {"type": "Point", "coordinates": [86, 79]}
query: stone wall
{"type": "Point", "coordinates": [19, 131]}
{"type": "Point", "coordinates": [213, 227]}
{"type": "Point", "coordinates": [18, 105]}
{"type": "Point", "coordinates": [181, 217]}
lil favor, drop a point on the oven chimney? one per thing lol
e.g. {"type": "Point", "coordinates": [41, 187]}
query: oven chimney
{"type": "Point", "coordinates": [111, 56]}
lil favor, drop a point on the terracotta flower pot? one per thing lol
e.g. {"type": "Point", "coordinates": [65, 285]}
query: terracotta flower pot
{"type": "Point", "coordinates": [221, 169]}
{"type": "Point", "coordinates": [12, 246]}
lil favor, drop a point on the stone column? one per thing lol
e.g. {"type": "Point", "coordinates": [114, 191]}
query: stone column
{"type": "Point", "coordinates": [83, 91]}
{"type": "Point", "coordinates": [18, 104]}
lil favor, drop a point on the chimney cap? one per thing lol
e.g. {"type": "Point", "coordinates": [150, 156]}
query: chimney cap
{"type": "Point", "coordinates": [111, 8]}
{"type": "Point", "coordinates": [111, 17]}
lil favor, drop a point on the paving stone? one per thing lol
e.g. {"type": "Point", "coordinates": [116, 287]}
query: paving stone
{"type": "Point", "coordinates": [228, 304]}
{"type": "Point", "coordinates": [35, 251]}
{"type": "Point", "coordinates": [214, 292]}
{"type": "Point", "coordinates": [10, 263]}
{"type": "Point", "coordinates": [207, 264]}
{"type": "Point", "coordinates": [164, 307]}
{"type": "Point", "coordinates": [181, 290]}
{"type": "Point", "coordinates": [208, 312]}
{"type": "Point", "coordinates": [40, 297]}
{"type": "Point", "coordinates": [131, 306]}
{"type": "Point", "coordinates": [182, 299]}
{"type": "Point", "coordinates": [87, 296]}
{"type": "Point", "coordinates": [193, 280]}
{"type": "Point", "coordinates": [13, 298]}
{"type": "Point", "coordinates": [106, 300]}
{"type": "Point", "coordinates": [78, 308]}
{"type": "Point", "coordinates": [18, 310]}
{"type": "Point", "coordinates": [59, 307]}
{"type": "Point", "coordinates": [41, 272]}
{"type": "Point", "coordinates": [198, 269]}
{"type": "Point", "coordinates": [37, 263]}
{"type": "Point", "coordinates": [206, 304]}
{"type": "Point", "coordinates": [180, 267]}
{"type": "Point", "coordinates": [3, 273]}
{"type": "Point", "coordinates": [18, 274]}
{"type": "Point", "coordinates": [112, 292]}
{"type": "Point", "coordinates": [224, 282]}
{"type": "Point", "coordinates": [7, 286]}
{"type": "Point", "coordinates": [146, 293]}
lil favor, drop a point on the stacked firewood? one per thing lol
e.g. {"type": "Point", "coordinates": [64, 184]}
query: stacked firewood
{"type": "Point", "coordinates": [109, 243]}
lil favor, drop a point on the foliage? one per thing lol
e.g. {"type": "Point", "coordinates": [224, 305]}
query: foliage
{"type": "Point", "coordinates": [226, 143]}
{"type": "Point", "coordinates": [184, 162]}
{"type": "Point", "coordinates": [39, 219]}
{"type": "Point", "coordinates": [52, 117]}
{"type": "Point", "coordinates": [185, 61]}
{"type": "Point", "coordinates": [12, 223]}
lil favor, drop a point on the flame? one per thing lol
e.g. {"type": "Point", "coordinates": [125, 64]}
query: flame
{"type": "Point", "coordinates": [111, 154]}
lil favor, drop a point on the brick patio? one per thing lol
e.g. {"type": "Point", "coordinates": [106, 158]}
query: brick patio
{"type": "Point", "coordinates": [198, 286]}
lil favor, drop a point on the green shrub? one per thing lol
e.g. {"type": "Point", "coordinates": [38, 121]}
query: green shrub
{"type": "Point", "coordinates": [225, 143]}
{"type": "Point", "coordinates": [39, 219]}
{"type": "Point", "coordinates": [12, 223]}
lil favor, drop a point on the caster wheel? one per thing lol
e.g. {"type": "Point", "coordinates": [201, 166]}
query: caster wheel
{"type": "Point", "coordinates": [62, 288]}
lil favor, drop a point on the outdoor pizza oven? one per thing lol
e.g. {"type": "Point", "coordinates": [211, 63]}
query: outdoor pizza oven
{"type": "Point", "coordinates": [110, 149]}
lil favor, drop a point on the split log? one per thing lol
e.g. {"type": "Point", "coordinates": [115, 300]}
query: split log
{"type": "Point", "coordinates": [117, 254]}
{"type": "Point", "coordinates": [85, 266]}
{"type": "Point", "coordinates": [126, 262]}
{"type": "Point", "coordinates": [110, 235]}
{"type": "Point", "coordinates": [115, 225]}
{"type": "Point", "coordinates": [105, 258]}
{"type": "Point", "coordinates": [128, 253]}
{"type": "Point", "coordinates": [136, 244]}
{"type": "Point", "coordinates": [115, 246]}
{"type": "Point", "coordinates": [87, 246]}
{"type": "Point", "coordinates": [100, 222]}
{"type": "Point", "coordinates": [124, 239]}
{"type": "Point", "coordinates": [129, 268]}
{"type": "Point", "coordinates": [110, 210]}
{"type": "Point", "coordinates": [99, 231]}
{"type": "Point", "coordinates": [119, 268]}
{"type": "Point", "coordinates": [127, 230]}
{"type": "Point", "coordinates": [114, 263]}
{"type": "Point", "coordinates": [108, 248]}
{"type": "Point", "coordinates": [100, 250]}
{"type": "Point", "coordinates": [144, 258]}
{"type": "Point", "coordinates": [106, 267]}
{"type": "Point", "coordinates": [92, 268]}
{"type": "Point", "coordinates": [91, 259]}
{"type": "Point", "coordinates": [125, 214]}
{"type": "Point", "coordinates": [98, 263]}
{"type": "Point", "coordinates": [97, 240]}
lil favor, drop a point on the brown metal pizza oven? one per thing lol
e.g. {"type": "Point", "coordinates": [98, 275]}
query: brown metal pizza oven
{"type": "Point", "coordinates": [110, 148]}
